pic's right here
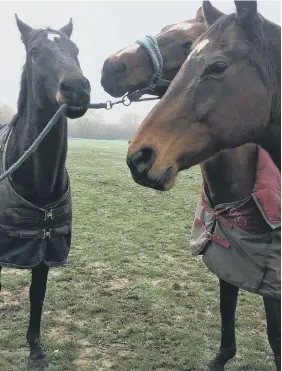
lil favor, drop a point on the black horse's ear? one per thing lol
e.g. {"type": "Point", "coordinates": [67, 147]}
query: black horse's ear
{"type": "Point", "coordinates": [200, 14]}
{"type": "Point", "coordinates": [211, 13]}
{"type": "Point", "coordinates": [246, 11]}
{"type": "Point", "coordinates": [67, 29]}
{"type": "Point", "coordinates": [25, 30]}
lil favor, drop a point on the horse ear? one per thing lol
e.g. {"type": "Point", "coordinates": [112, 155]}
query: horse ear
{"type": "Point", "coordinates": [25, 30]}
{"type": "Point", "coordinates": [211, 13]}
{"type": "Point", "coordinates": [246, 11]}
{"type": "Point", "coordinates": [67, 29]}
{"type": "Point", "coordinates": [200, 14]}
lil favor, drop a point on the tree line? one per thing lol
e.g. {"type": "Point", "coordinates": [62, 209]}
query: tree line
{"type": "Point", "coordinates": [91, 126]}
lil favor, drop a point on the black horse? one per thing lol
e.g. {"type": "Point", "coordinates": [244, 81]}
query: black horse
{"type": "Point", "coordinates": [37, 195]}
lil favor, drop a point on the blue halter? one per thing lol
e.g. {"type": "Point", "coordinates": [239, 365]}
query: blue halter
{"type": "Point", "coordinates": [150, 44]}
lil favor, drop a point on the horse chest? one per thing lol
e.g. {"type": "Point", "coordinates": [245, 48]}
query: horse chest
{"type": "Point", "coordinates": [241, 241]}
{"type": "Point", "coordinates": [30, 235]}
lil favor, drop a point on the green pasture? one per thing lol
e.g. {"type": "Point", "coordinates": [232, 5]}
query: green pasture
{"type": "Point", "coordinates": [131, 296]}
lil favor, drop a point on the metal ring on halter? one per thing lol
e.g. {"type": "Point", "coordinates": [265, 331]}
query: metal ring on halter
{"type": "Point", "coordinates": [126, 101]}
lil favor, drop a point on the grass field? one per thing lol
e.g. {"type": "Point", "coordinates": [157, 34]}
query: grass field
{"type": "Point", "coordinates": [131, 297]}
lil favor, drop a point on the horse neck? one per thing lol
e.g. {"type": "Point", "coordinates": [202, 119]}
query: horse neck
{"type": "Point", "coordinates": [271, 141]}
{"type": "Point", "coordinates": [229, 176]}
{"type": "Point", "coordinates": [271, 49]}
{"type": "Point", "coordinates": [42, 178]}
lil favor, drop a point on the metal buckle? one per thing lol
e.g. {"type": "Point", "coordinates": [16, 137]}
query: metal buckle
{"type": "Point", "coordinates": [49, 214]}
{"type": "Point", "coordinates": [109, 105]}
{"type": "Point", "coordinates": [214, 215]}
{"type": "Point", "coordinates": [126, 101]}
{"type": "Point", "coordinates": [133, 97]}
{"type": "Point", "coordinates": [46, 234]}
{"type": "Point", "coordinates": [154, 81]}
{"type": "Point", "coordinates": [208, 235]}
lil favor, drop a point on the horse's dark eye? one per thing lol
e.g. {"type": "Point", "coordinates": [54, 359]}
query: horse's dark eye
{"type": "Point", "coordinates": [218, 68]}
{"type": "Point", "coordinates": [187, 45]}
{"type": "Point", "coordinates": [187, 48]}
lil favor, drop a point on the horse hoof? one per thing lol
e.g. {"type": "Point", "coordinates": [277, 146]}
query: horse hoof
{"type": "Point", "coordinates": [37, 364]}
{"type": "Point", "coordinates": [215, 366]}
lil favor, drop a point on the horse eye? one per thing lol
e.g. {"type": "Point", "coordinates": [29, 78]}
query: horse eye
{"type": "Point", "coordinates": [34, 52]}
{"type": "Point", "coordinates": [186, 47]}
{"type": "Point", "coordinates": [218, 68]}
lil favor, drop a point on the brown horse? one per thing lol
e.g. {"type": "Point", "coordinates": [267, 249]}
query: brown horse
{"type": "Point", "coordinates": [224, 180]}
{"type": "Point", "coordinates": [131, 69]}
{"type": "Point", "coordinates": [227, 93]}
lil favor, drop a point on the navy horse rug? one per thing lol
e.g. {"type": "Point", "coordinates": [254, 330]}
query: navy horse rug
{"type": "Point", "coordinates": [30, 235]}
{"type": "Point", "coordinates": [241, 241]}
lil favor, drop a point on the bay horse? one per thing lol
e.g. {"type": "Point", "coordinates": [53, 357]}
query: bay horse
{"type": "Point", "coordinates": [131, 68]}
{"type": "Point", "coordinates": [227, 93]}
{"type": "Point", "coordinates": [227, 177]}
{"type": "Point", "coordinates": [35, 210]}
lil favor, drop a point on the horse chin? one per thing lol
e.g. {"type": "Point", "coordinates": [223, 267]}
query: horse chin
{"type": "Point", "coordinates": [168, 178]}
{"type": "Point", "coordinates": [75, 112]}
{"type": "Point", "coordinates": [114, 90]}
{"type": "Point", "coordinates": [163, 183]}
{"type": "Point", "coordinates": [122, 90]}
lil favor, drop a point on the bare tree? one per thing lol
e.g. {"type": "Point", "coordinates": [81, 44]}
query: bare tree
{"type": "Point", "coordinates": [93, 126]}
{"type": "Point", "coordinates": [129, 123]}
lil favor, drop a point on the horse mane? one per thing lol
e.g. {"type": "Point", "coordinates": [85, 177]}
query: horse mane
{"type": "Point", "coordinates": [219, 25]}
{"type": "Point", "coordinates": [23, 89]}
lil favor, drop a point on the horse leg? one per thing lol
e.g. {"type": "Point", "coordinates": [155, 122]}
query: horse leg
{"type": "Point", "coordinates": [228, 304]}
{"type": "Point", "coordinates": [273, 320]}
{"type": "Point", "coordinates": [36, 296]}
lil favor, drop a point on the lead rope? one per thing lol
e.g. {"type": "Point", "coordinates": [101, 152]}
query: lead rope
{"type": "Point", "coordinates": [107, 105]}
{"type": "Point", "coordinates": [150, 44]}
{"type": "Point", "coordinates": [36, 143]}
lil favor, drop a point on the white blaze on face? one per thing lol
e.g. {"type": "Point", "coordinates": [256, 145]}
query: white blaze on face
{"type": "Point", "coordinates": [181, 27]}
{"type": "Point", "coordinates": [132, 49]}
{"type": "Point", "coordinates": [198, 48]}
{"type": "Point", "coordinates": [52, 36]}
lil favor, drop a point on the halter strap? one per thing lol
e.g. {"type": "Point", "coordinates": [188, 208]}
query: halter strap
{"type": "Point", "coordinates": [150, 44]}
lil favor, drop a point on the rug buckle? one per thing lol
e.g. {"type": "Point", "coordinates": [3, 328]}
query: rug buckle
{"type": "Point", "coordinates": [49, 214]}
{"type": "Point", "coordinates": [46, 234]}
{"type": "Point", "coordinates": [208, 235]}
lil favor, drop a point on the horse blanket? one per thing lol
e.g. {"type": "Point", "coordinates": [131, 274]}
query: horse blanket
{"type": "Point", "coordinates": [30, 235]}
{"type": "Point", "coordinates": [240, 242]}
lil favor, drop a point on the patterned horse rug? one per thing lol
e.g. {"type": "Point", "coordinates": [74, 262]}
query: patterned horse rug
{"type": "Point", "coordinates": [30, 235]}
{"type": "Point", "coordinates": [241, 241]}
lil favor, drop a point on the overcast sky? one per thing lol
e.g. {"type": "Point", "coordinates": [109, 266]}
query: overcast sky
{"type": "Point", "coordinates": [100, 29]}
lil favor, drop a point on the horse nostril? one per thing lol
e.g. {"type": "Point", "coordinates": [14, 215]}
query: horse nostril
{"type": "Point", "coordinates": [86, 84]}
{"type": "Point", "coordinates": [114, 67]}
{"type": "Point", "coordinates": [143, 160]}
{"type": "Point", "coordinates": [119, 67]}
{"type": "Point", "coordinates": [65, 88]}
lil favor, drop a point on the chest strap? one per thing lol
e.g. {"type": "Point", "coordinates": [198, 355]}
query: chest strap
{"type": "Point", "coordinates": [209, 236]}
{"type": "Point", "coordinates": [54, 213]}
{"type": "Point", "coordinates": [43, 233]}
